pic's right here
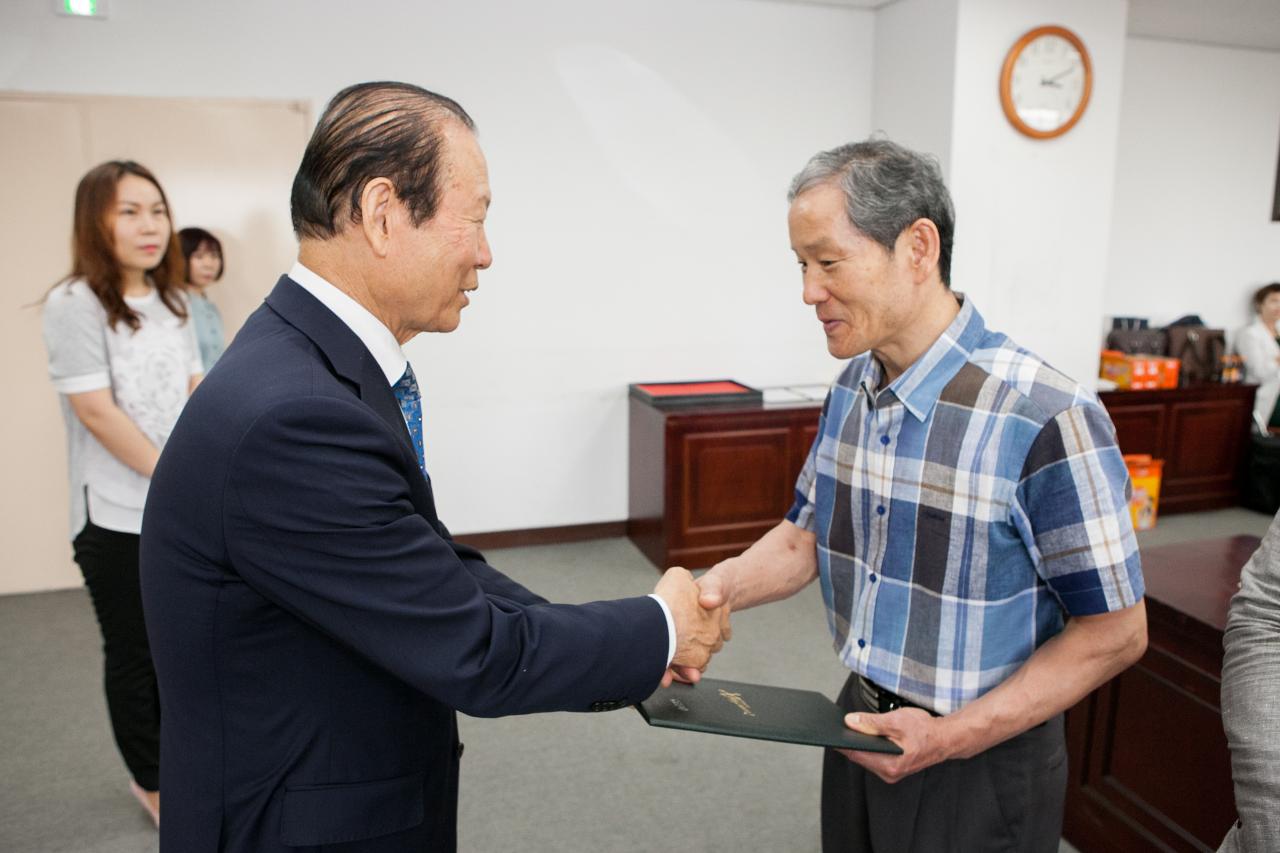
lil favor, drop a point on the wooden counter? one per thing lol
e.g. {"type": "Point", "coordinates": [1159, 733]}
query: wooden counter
{"type": "Point", "coordinates": [1201, 432]}
{"type": "Point", "coordinates": [1149, 766]}
{"type": "Point", "coordinates": [706, 481]}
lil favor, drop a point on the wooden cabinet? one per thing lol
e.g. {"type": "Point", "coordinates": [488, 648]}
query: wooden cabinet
{"type": "Point", "coordinates": [1201, 433]}
{"type": "Point", "coordinates": [1148, 758]}
{"type": "Point", "coordinates": [707, 481]}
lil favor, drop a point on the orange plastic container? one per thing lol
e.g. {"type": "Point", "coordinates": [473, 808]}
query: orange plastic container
{"type": "Point", "coordinates": [1144, 504]}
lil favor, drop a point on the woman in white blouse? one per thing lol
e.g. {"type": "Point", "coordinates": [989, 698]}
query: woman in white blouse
{"type": "Point", "coordinates": [1259, 343]}
{"type": "Point", "coordinates": [123, 359]}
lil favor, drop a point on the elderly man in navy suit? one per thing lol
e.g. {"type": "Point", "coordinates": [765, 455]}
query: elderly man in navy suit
{"type": "Point", "coordinates": [313, 623]}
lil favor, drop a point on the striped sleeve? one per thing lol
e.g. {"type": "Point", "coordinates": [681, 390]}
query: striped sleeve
{"type": "Point", "coordinates": [1072, 511]}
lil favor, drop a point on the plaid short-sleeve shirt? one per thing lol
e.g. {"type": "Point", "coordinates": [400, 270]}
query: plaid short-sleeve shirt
{"type": "Point", "coordinates": [961, 512]}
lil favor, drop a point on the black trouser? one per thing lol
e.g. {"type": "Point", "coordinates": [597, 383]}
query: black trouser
{"type": "Point", "coordinates": [109, 562]}
{"type": "Point", "coordinates": [1008, 798]}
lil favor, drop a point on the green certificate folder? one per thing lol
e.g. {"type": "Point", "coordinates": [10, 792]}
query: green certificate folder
{"type": "Point", "coordinates": [757, 711]}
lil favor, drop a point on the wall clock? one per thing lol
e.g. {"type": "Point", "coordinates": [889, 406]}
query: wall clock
{"type": "Point", "coordinates": [1046, 82]}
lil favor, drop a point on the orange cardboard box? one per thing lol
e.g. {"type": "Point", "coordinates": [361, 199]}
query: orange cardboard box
{"type": "Point", "coordinates": [1139, 372]}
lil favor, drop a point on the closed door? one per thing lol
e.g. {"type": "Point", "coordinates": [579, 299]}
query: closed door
{"type": "Point", "coordinates": [226, 166]}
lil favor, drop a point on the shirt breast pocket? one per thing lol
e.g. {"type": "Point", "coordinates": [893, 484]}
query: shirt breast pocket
{"type": "Point", "coordinates": [933, 548]}
{"type": "Point", "coordinates": [933, 528]}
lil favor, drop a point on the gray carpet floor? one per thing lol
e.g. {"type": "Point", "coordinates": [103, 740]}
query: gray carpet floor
{"type": "Point", "coordinates": [557, 782]}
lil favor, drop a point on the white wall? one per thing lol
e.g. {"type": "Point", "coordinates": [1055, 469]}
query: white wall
{"type": "Point", "coordinates": [1191, 229]}
{"type": "Point", "coordinates": [1033, 216]}
{"type": "Point", "coordinates": [915, 63]}
{"type": "Point", "coordinates": [639, 155]}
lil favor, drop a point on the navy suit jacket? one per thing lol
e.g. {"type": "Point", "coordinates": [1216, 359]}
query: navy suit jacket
{"type": "Point", "coordinates": [314, 625]}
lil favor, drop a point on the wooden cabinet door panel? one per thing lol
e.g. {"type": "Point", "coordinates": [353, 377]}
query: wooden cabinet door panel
{"type": "Point", "coordinates": [1140, 429]}
{"type": "Point", "coordinates": [1150, 770]}
{"type": "Point", "coordinates": [1169, 757]}
{"type": "Point", "coordinates": [733, 480]}
{"type": "Point", "coordinates": [1207, 442]}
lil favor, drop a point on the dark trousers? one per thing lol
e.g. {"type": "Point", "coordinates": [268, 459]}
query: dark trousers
{"type": "Point", "coordinates": [1009, 798]}
{"type": "Point", "coordinates": [109, 562]}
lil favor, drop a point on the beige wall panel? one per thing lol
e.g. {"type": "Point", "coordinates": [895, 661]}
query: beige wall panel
{"type": "Point", "coordinates": [41, 157]}
{"type": "Point", "coordinates": [225, 165]}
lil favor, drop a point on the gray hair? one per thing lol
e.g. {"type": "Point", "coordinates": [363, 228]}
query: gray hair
{"type": "Point", "coordinates": [886, 188]}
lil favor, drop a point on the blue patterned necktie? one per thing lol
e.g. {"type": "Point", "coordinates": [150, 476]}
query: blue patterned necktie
{"type": "Point", "coordinates": [406, 391]}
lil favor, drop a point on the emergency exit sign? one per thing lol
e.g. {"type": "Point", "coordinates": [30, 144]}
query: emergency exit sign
{"type": "Point", "coordinates": [81, 8]}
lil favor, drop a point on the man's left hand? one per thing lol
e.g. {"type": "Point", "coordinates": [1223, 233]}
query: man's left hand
{"type": "Point", "coordinates": [915, 730]}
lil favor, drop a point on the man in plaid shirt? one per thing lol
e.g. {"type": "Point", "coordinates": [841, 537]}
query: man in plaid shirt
{"type": "Point", "coordinates": [965, 509]}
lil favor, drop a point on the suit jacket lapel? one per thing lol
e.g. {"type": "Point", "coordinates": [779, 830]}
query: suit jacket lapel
{"type": "Point", "coordinates": [351, 360]}
{"type": "Point", "coordinates": [379, 396]}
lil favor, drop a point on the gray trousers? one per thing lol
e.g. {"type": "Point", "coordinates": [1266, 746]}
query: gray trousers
{"type": "Point", "coordinates": [1008, 798]}
{"type": "Point", "coordinates": [1251, 699]}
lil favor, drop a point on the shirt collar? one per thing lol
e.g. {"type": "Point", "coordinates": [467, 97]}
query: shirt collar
{"type": "Point", "coordinates": [920, 384]}
{"type": "Point", "coordinates": [376, 337]}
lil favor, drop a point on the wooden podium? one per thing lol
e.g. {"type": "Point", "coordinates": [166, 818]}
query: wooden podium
{"type": "Point", "coordinates": [706, 481]}
{"type": "Point", "coordinates": [1150, 769]}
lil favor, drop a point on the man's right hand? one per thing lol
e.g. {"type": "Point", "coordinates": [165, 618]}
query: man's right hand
{"type": "Point", "coordinates": [713, 596]}
{"type": "Point", "coordinates": [700, 632]}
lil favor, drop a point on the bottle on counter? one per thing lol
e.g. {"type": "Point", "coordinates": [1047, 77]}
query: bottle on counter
{"type": "Point", "coordinates": [1231, 369]}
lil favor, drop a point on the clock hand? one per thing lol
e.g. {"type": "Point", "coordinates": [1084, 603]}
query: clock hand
{"type": "Point", "coordinates": [1049, 81]}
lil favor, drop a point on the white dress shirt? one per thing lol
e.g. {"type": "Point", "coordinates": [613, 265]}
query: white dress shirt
{"type": "Point", "coordinates": [385, 349]}
{"type": "Point", "coordinates": [376, 337]}
{"type": "Point", "coordinates": [1257, 343]}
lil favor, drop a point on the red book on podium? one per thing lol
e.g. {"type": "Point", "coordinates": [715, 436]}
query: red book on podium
{"type": "Point", "coordinates": [700, 392]}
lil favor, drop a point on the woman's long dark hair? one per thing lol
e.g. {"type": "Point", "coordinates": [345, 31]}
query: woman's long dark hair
{"type": "Point", "coordinates": [93, 256]}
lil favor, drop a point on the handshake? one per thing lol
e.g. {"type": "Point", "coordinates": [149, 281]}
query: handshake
{"type": "Point", "coordinates": [700, 610]}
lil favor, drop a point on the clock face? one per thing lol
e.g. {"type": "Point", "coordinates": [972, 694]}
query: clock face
{"type": "Point", "coordinates": [1046, 82]}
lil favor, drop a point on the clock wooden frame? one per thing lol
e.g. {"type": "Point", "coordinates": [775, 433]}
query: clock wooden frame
{"type": "Point", "coordinates": [1006, 81]}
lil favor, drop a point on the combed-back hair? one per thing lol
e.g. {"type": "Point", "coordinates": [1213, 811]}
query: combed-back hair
{"type": "Point", "coordinates": [886, 188]}
{"type": "Point", "coordinates": [93, 255]}
{"type": "Point", "coordinates": [373, 130]}
{"type": "Point", "coordinates": [192, 238]}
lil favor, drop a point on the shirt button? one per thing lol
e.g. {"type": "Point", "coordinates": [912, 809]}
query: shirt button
{"type": "Point", "coordinates": [880, 510]}
{"type": "Point", "coordinates": [884, 439]}
{"type": "Point", "coordinates": [862, 644]}
{"type": "Point", "coordinates": [873, 577]}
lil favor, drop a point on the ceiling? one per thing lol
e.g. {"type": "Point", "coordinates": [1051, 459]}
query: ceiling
{"type": "Point", "coordinates": [1235, 23]}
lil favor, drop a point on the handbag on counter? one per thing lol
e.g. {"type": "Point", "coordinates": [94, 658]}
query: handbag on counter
{"type": "Point", "coordinates": [1138, 341]}
{"type": "Point", "coordinates": [1199, 349]}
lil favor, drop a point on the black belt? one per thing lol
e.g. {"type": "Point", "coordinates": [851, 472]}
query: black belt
{"type": "Point", "coordinates": [883, 701]}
